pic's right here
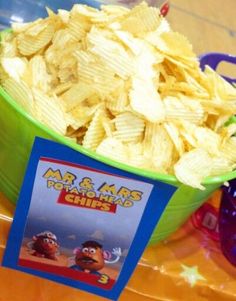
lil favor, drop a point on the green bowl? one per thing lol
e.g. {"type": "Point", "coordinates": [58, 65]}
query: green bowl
{"type": "Point", "coordinates": [17, 133]}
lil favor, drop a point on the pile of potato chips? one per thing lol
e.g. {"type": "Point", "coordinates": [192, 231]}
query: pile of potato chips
{"type": "Point", "coordinates": [120, 82]}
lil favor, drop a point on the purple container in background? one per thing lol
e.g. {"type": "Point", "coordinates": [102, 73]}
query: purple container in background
{"type": "Point", "coordinates": [213, 59]}
{"type": "Point", "coordinates": [227, 213]}
{"type": "Point", "coordinates": [227, 222]}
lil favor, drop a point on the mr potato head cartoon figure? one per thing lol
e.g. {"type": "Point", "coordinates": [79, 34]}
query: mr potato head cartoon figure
{"type": "Point", "coordinates": [44, 245]}
{"type": "Point", "coordinates": [91, 257]}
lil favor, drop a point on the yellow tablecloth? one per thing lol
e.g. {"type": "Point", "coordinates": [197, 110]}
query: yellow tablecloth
{"type": "Point", "coordinates": [188, 266]}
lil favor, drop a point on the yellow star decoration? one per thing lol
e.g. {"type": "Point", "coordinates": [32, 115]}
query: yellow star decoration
{"type": "Point", "coordinates": [191, 274]}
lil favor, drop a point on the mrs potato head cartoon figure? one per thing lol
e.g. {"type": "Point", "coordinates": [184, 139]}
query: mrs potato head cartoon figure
{"type": "Point", "coordinates": [91, 257]}
{"type": "Point", "coordinates": [44, 245]}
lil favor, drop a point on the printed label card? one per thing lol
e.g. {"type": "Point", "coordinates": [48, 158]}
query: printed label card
{"type": "Point", "coordinates": [81, 222]}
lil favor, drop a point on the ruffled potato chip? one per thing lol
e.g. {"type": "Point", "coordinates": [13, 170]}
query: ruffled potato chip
{"type": "Point", "coordinates": [113, 148]}
{"type": "Point", "coordinates": [13, 67]}
{"type": "Point", "coordinates": [129, 128]}
{"type": "Point", "coordinates": [174, 134]}
{"type": "Point", "coordinates": [93, 72]}
{"type": "Point", "coordinates": [21, 93]}
{"type": "Point", "coordinates": [145, 100]}
{"type": "Point", "coordinates": [108, 126]}
{"type": "Point", "coordinates": [92, 14]}
{"type": "Point", "coordinates": [64, 15]}
{"type": "Point", "coordinates": [34, 39]}
{"type": "Point", "coordinates": [193, 167]}
{"type": "Point", "coordinates": [118, 104]}
{"type": "Point", "coordinates": [34, 27]}
{"type": "Point", "coordinates": [49, 111]}
{"type": "Point", "coordinates": [95, 132]}
{"type": "Point", "coordinates": [137, 157]}
{"type": "Point", "coordinates": [142, 19]}
{"type": "Point", "coordinates": [77, 28]}
{"type": "Point", "coordinates": [81, 116]}
{"type": "Point", "coordinates": [111, 53]}
{"type": "Point", "coordinates": [228, 150]}
{"type": "Point", "coordinates": [38, 76]}
{"type": "Point", "coordinates": [220, 166]}
{"type": "Point", "coordinates": [159, 147]}
{"type": "Point", "coordinates": [182, 108]}
{"type": "Point", "coordinates": [208, 140]}
{"type": "Point", "coordinates": [176, 45]}
{"type": "Point", "coordinates": [220, 88]}
{"type": "Point", "coordinates": [62, 88]}
{"type": "Point", "coordinates": [8, 45]}
{"type": "Point", "coordinates": [115, 10]}
{"type": "Point", "coordinates": [227, 132]}
{"type": "Point", "coordinates": [76, 94]}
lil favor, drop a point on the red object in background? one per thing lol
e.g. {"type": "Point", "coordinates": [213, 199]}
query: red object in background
{"type": "Point", "coordinates": [219, 224]}
{"type": "Point", "coordinates": [206, 220]}
{"type": "Point", "coordinates": [164, 9]}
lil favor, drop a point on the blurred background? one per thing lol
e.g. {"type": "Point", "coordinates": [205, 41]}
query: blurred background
{"type": "Point", "coordinates": [210, 25]}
